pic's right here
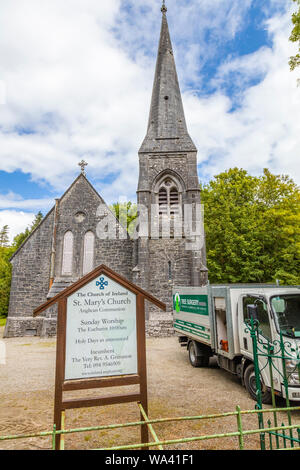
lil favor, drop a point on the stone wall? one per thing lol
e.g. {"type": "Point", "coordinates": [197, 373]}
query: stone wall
{"type": "Point", "coordinates": [164, 276]}
{"type": "Point", "coordinates": [160, 327]}
{"type": "Point", "coordinates": [30, 280]}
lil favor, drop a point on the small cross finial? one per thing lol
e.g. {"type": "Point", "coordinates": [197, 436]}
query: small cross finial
{"type": "Point", "coordinates": [82, 165]}
{"type": "Point", "coordinates": [164, 8]}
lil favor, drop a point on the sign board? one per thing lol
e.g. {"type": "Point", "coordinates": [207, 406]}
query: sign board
{"type": "Point", "coordinates": [101, 341]}
{"type": "Point", "coordinates": [101, 338]}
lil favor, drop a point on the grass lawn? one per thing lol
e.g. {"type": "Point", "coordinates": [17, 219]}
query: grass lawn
{"type": "Point", "coordinates": [2, 321]}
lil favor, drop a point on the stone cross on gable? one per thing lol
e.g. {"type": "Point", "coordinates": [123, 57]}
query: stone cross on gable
{"type": "Point", "coordinates": [82, 165]}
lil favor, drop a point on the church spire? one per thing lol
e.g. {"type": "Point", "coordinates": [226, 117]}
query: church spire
{"type": "Point", "coordinates": [167, 130]}
{"type": "Point", "coordinates": [164, 8]}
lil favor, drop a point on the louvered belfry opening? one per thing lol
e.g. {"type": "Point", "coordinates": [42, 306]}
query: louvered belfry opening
{"type": "Point", "coordinates": [169, 205]}
{"type": "Point", "coordinates": [168, 198]}
{"type": "Point", "coordinates": [174, 201]}
{"type": "Point", "coordinates": [163, 201]}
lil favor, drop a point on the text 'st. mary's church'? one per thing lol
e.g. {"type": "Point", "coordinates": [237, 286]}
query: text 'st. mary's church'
{"type": "Point", "coordinates": [67, 244]}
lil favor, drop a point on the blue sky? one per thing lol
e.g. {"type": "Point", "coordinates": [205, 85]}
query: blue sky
{"type": "Point", "coordinates": [76, 80]}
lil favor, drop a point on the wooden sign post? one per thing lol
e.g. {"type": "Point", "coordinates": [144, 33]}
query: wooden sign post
{"type": "Point", "coordinates": [101, 341]}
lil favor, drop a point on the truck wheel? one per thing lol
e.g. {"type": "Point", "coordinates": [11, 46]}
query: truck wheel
{"type": "Point", "coordinates": [195, 360]}
{"type": "Point", "coordinates": [250, 384]}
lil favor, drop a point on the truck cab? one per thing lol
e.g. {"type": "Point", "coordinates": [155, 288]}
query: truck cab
{"type": "Point", "coordinates": [215, 321]}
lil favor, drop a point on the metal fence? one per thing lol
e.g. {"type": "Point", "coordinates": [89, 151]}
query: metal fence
{"type": "Point", "coordinates": [281, 358]}
{"type": "Point", "coordinates": [278, 436]}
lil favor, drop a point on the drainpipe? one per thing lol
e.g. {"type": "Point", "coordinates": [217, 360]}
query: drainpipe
{"type": "Point", "coordinates": [53, 249]}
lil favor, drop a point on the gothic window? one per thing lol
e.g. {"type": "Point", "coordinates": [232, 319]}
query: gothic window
{"type": "Point", "coordinates": [88, 252]}
{"type": "Point", "coordinates": [67, 261]}
{"type": "Point", "coordinates": [168, 198]}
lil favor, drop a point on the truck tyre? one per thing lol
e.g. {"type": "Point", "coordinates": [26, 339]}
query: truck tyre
{"type": "Point", "coordinates": [250, 384]}
{"type": "Point", "coordinates": [195, 359]}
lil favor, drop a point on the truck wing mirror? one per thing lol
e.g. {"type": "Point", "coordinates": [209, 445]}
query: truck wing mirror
{"type": "Point", "coordinates": [252, 312]}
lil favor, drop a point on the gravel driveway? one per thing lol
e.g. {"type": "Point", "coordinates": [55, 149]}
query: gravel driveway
{"type": "Point", "coordinates": [175, 388]}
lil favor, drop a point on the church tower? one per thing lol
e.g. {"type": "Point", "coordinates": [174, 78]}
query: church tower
{"type": "Point", "coordinates": [168, 191]}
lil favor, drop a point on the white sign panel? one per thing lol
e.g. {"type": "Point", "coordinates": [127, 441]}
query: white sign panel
{"type": "Point", "coordinates": [101, 331]}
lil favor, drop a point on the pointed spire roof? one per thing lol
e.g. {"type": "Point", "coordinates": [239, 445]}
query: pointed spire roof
{"type": "Point", "coordinates": [167, 130]}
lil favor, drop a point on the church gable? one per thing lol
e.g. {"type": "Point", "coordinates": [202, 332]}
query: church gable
{"type": "Point", "coordinates": [80, 192]}
{"type": "Point", "coordinates": [81, 206]}
{"type": "Point", "coordinates": [80, 231]}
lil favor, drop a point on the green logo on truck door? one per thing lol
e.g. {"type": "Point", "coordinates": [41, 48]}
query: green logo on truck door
{"type": "Point", "coordinates": [191, 304]}
{"type": "Point", "coordinates": [177, 302]}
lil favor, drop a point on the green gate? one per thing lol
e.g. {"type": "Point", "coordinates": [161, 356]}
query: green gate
{"type": "Point", "coordinates": [280, 359]}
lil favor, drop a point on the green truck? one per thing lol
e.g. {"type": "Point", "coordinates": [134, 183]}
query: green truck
{"type": "Point", "coordinates": [212, 321]}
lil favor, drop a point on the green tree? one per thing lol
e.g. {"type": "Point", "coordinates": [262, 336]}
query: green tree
{"type": "Point", "coordinates": [37, 220]}
{"type": "Point", "coordinates": [295, 37]}
{"type": "Point", "coordinates": [280, 208]}
{"type": "Point", "coordinates": [126, 213]}
{"type": "Point", "coordinates": [5, 270]}
{"type": "Point", "coordinates": [5, 278]}
{"type": "Point", "coordinates": [252, 228]}
{"type": "Point", "coordinates": [21, 237]}
{"type": "Point", "coordinates": [4, 238]}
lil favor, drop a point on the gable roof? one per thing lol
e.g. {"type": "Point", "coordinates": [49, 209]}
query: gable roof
{"type": "Point", "coordinates": [79, 177]}
{"type": "Point", "coordinates": [60, 200]}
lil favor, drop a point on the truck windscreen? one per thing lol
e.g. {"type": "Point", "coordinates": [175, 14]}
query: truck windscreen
{"type": "Point", "coordinates": [286, 309]}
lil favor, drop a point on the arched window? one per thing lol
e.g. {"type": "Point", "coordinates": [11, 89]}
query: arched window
{"type": "Point", "coordinates": [67, 260]}
{"type": "Point", "coordinates": [88, 252]}
{"type": "Point", "coordinates": [168, 197]}
{"type": "Point", "coordinates": [168, 214]}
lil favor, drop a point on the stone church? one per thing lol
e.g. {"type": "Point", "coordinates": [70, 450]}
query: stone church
{"type": "Point", "coordinates": [67, 244]}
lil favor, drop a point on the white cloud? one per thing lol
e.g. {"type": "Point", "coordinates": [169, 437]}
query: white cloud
{"type": "Point", "coordinates": [15, 201]}
{"type": "Point", "coordinates": [78, 77]}
{"type": "Point", "coordinates": [71, 91]}
{"type": "Point", "coordinates": [264, 131]}
{"type": "Point", "coordinates": [75, 90]}
{"type": "Point", "coordinates": [17, 221]}
{"type": "Point", "coordinates": [2, 92]}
